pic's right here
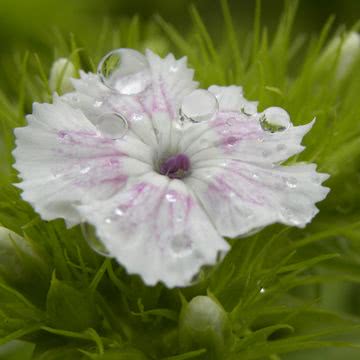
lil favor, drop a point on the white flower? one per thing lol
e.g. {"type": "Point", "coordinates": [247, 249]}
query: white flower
{"type": "Point", "coordinates": [177, 170]}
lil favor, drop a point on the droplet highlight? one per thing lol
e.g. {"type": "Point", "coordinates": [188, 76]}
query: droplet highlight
{"type": "Point", "coordinates": [198, 106]}
{"type": "Point", "coordinates": [112, 125]}
{"type": "Point", "coordinates": [125, 71]}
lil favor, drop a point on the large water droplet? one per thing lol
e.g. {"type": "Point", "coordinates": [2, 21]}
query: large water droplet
{"type": "Point", "coordinates": [200, 105]}
{"type": "Point", "coordinates": [274, 119]}
{"type": "Point", "coordinates": [112, 125]}
{"type": "Point", "coordinates": [125, 70]}
{"type": "Point", "coordinates": [89, 234]}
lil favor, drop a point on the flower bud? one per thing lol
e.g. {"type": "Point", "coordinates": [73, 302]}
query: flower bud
{"type": "Point", "coordinates": [205, 324]}
{"type": "Point", "coordinates": [348, 50]}
{"type": "Point", "coordinates": [61, 72]}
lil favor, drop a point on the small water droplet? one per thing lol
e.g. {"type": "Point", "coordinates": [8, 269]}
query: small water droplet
{"type": "Point", "coordinates": [255, 176]}
{"type": "Point", "coordinates": [274, 119]}
{"type": "Point", "coordinates": [262, 290]}
{"type": "Point", "coordinates": [230, 122]}
{"type": "Point", "coordinates": [98, 103]}
{"type": "Point", "coordinates": [181, 245]}
{"type": "Point", "coordinates": [280, 147]}
{"type": "Point", "coordinates": [112, 125]}
{"type": "Point", "coordinates": [85, 170]}
{"type": "Point", "coordinates": [75, 98]}
{"type": "Point", "coordinates": [170, 197]}
{"type": "Point", "coordinates": [291, 182]}
{"type": "Point", "coordinates": [89, 234]}
{"type": "Point", "coordinates": [119, 211]}
{"type": "Point", "coordinates": [198, 106]}
{"type": "Point", "coordinates": [174, 68]}
{"type": "Point", "coordinates": [125, 70]}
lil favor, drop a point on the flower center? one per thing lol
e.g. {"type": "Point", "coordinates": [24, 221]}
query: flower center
{"type": "Point", "coordinates": [175, 167]}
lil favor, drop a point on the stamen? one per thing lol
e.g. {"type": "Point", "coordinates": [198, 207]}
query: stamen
{"type": "Point", "coordinates": [175, 167]}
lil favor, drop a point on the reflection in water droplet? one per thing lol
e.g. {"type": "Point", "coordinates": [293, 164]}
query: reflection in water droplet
{"type": "Point", "coordinates": [125, 70]}
{"type": "Point", "coordinates": [200, 105]}
{"type": "Point", "coordinates": [262, 290]}
{"type": "Point", "coordinates": [274, 119]}
{"type": "Point", "coordinates": [89, 234]}
{"type": "Point", "coordinates": [112, 125]}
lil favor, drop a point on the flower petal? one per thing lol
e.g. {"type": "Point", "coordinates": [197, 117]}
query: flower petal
{"type": "Point", "coordinates": [240, 197]}
{"type": "Point", "coordinates": [156, 229]}
{"type": "Point", "coordinates": [147, 112]}
{"type": "Point", "coordinates": [63, 159]}
{"type": "Point", "coordinates": [234, 135]}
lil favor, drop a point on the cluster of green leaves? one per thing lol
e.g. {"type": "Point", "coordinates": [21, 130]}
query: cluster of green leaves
{"type": "Point", "coordinates": [284, 290]}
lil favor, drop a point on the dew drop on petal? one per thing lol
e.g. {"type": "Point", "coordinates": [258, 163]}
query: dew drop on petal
{"type": "Point", "coordinates": [125, 70]}
{"type": "Point", "coordinates": [98, 103]}
{"type": "Point", "coordinates": [274, 119]}
{"type": "Point", "coordinates": [200, 105]}
{"type": "Point", "coordinates": [181, 245]}
{"type": "Point", "coordinates": [291, 182]}
{"type": "Point", "coordinates": [112, 125]}
{"type": "Point", "coordinates": [89, 234]}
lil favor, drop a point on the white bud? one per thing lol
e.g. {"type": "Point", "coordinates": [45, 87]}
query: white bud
{"type": "Point", "coordinates": [61, 72]}
{"type": "Point", "coordinates": [10, 244]}
{"type": "Point", "coordinates": [204, 323]}
{"type": "Point", "coordinates": [349, 48]}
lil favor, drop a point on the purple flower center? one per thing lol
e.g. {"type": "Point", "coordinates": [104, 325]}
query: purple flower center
{"type": "Point", "coordinates": [175, 167]}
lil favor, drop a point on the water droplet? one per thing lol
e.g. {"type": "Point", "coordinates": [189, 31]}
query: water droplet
{"type": "Point", "coordinates": [125, 70]}
{"type": "Point", "coordinates": [181, 245]}
{"type": "Point", "coordinates": [119, 211]}
{"type": "Point", "coordinates": [75, 98]}
{"type": "Point", "coordinates": [291, 182]}
{"type": "Point", "coordinates": [255, 176]}
{"type": "Point", "coordinates": [98, 103]}
{"type": "Point", "coordinates": [274, 119]}
{"type": "Point", "coordinates": [262, 290]}
{"type": "Point", "coordinates": [200, 105]}
{"type": "Point", "coordinates": [85, 170]}
{"type": "Point", "coordinates": [89, 234]}
{"type": "Point", "coordinates": [112, 125]}
{"type": "Point", "coordinates": [280, 147]}
{"type": "Point", "coordinates": [230, 121]}
{"type": "Point", "coordinates": [170, 197]}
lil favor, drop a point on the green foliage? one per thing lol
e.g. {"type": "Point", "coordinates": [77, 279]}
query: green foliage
{"type": "Point", "coordinates": [284, 290]}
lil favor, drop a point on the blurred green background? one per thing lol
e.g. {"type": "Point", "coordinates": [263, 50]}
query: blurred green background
{"type": "Point", "coordinates": [29, 24]}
